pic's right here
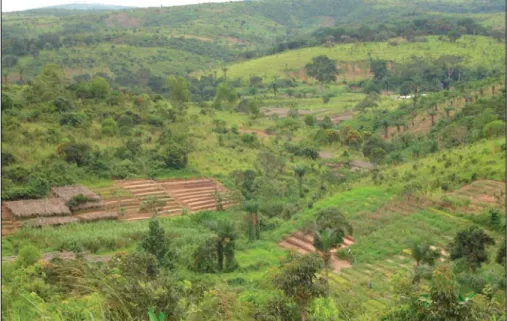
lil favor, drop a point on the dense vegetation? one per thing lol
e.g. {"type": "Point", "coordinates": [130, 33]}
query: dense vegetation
{"type": "Point", "coordinates": [388, 132]}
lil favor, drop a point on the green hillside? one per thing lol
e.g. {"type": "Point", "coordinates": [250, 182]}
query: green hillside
{"type": "Point", "coordinates": [476, 51]}
{"type": "Point", "coordinates": [282, 160]}
{"type": "Point", "coordinates": [175, 40]}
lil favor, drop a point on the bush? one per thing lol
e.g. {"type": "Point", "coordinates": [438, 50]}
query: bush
{"type": "Point", "coordinates": [310, 120]}
{"type": "Point", "coordinates": [494, 129]}
{"type": "Point", "coordinates": [73, 119]}
{"type": "Point", "coordinates": [28, 255]}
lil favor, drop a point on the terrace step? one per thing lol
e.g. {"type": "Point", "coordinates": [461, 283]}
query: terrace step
{"type": "Point", "coordinates": [187, 183]}
{"type": "Point", "coordinates": [191, 195]}
{"type": "Point", "coordinates": [304, 245]}
{"type": "Point", "coordinates": [155, 193]}
{"type": "Point", "coordinates": [146, 189]}
{"type": "Point", "coordinates": [192, 190]}
{"type": "Point", "coordinates": [292, 247]}
{"type": "Point", "coordinates": [201, 202]}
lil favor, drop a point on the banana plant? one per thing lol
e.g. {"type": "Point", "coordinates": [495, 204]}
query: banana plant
{"type": "Point", "coordinates": [153, 317]}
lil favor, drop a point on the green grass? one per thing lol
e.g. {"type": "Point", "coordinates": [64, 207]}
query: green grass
{"type": "Point", "coordinates": [476, 50]}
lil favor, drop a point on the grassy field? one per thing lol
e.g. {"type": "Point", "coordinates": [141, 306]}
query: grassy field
{"type": "Point", "coordinates": [475, 50]}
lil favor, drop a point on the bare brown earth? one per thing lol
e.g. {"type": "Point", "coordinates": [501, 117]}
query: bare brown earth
{"type": "Point", "coordinates": [122, 19]}
{"type": "Point", "coordinates": [355, 165]}
{"type": "Point", "coordinates": [326, 21]}
{"type": "Point", "coordinates": [259, 133]}
{"type": "Point", "coordinates": [481, 195]}
{"type": "Point", "coordinates": [303, 243]}
{"type": "Point", "coordinates": [325, 155]}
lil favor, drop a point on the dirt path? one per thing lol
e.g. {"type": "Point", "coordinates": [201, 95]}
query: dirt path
{"type": "Point", "coordinates": [65, 255]}
{"type": "Point", "coordinates": [259, 133]}
{"type": "Point", "coordinates": [325, 155]}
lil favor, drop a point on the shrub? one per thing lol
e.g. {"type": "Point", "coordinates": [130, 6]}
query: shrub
{"type": "Point", "coordinates": [28, 255]}
{"type": "Point", "coordinates": [494, 129]}
{"type": "Point", "coordinates": [73, 119]}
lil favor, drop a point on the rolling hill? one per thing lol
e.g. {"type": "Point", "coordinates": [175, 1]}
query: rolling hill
{"type": "Point", "coordinates": [157, 42]}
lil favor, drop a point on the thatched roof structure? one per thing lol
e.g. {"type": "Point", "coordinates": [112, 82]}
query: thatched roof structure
{"type": "Point", "coordinates": [52, 221]}
{"type": "Point", "coordinates": [90, 217]}
{"type": "Point", "coordinates": [66, 193]}
{"type": "Point", "coordinates": [33, 208]}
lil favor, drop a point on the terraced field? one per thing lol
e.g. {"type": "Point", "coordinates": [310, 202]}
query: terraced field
{"type": "Point", "coordinates": [303, 243]}
{"type": "Point", "coordinates": [196, 195]}
{"type": "Point", "coordinates": [482, 194]}
{"type": "Point", "coordinates": [137, 200]}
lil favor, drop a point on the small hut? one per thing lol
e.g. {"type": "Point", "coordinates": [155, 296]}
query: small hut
{"type": "Point", "coordinates": [92, 217]}
{"type": "Point", "coordinates": [51, 221]}
{"type": "Point", "coordinates": [69, 194]}
{"type": "Point", "coordinates": [38, 208]}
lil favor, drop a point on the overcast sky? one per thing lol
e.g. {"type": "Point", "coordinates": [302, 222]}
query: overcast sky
{"type": "Point", "coordinates": [16, 5]}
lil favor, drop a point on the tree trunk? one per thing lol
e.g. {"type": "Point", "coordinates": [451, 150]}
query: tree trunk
{"type": "Point", "coordinates": [303, 315]}
{"type": "Point", "coordinates": [301, 187]}
{"type": "Point", "coordinates": [220, 254]}
{"type": "Point", "coordinates": [257, 226]}
{"type": "Point", "coordinates": [432, 120]}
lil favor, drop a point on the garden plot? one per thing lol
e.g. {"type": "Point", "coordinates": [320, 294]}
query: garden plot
{"type": "Point", "coordinates": [303, 243]}
{"type": "Point", "coordinates": [284, 112]}
{"type": "Point", "coordinates": [354, 165]}
{"type": "Point", "coordinates": [197, 194]}
{"type": "Point", "coordinates": [336, 119]}
{"type": "Point", "coordinates": [481, 195]}
{"type": "Point", "coordinates": [148, 197]}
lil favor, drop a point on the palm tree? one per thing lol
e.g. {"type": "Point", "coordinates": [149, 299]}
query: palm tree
{"type": "Point", "coordinates": [323, 171]}
{"type": "Point", "coordinates": [386, 128]}
{"type": "Point", "coordinates": [324, 241]}
{"type": "Point", "coordinates": [225, 236]}
{"type": "Point", "coordinates": [300, 171]}
{"type": "Point", "coordinates": [448, 110]}
{"type": "Point", "coordinates": [432, 114]}
{"type": "Point", "coordinates": [422, 253]}
{"type": "Point", "coordinates": [252, 209]}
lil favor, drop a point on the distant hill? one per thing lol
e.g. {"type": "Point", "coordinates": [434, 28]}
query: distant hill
{"type": "Point", "coordinates": [84, 6]}
{"type": "Point", "coordinates": [153, 43]}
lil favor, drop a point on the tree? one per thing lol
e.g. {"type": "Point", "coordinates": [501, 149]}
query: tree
{"type": "Point", "coordinates": [385, 124]}
{"type": "Point", "coordinates": [322, 69]}
{"type": "Point", "coordinates": [448, 110]}
{"type": "Point", "coordinates": [300, 171]}
{"type": "Point", "coordinates": [454, 35]}
{"type": "Point", "coordinates": [179, 92]}
{"type": "Point", "coordinates": [432, 114]}
{"type": "Point", "coordinates": [324, 241]}
{"type": "Point", "coordinates": [470, 245]}
{"type": "Point", "coordinates": [500, 255]}
{"type": "Point", "coordinates": [298, 280]}
{"type": "Point", "coordinates": [332, 218]}
{"type": "Point", "coordinates": [443, 302]}
{"type": "Point", "coordinates": [225, 236]}
{"type": "Point", "coordinates": [255, 81]}
{"type": "Point", "coordinates": [379, 69]}
{"type": "Point", "coordinates": [310, 120]}
{"type": "Point", "coordinates": [156, 243]}
{"type": "Point", "coordinates": [423, 253]}
{"type": "Point", "coordinates": [99, 88]}
{"type": "Point", "coordinates": [252, 209]}
{"type": "Point", "coordinates": [494, 129]}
